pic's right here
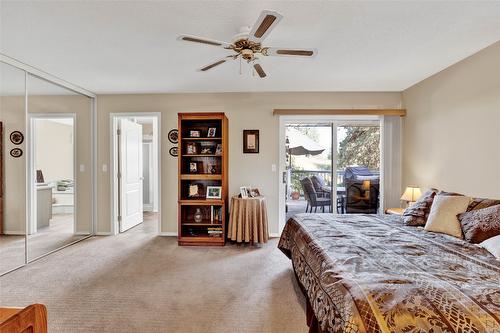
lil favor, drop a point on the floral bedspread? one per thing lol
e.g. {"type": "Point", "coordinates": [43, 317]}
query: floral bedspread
{"type": "Point", "coordinates": [371, 273]}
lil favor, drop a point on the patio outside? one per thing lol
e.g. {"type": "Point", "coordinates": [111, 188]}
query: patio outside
{"type": "Point", "coordinates": [358, 152]}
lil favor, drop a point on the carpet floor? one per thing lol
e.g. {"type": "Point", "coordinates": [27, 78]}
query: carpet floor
{"type": "Point", "coordinates": [139, 282]}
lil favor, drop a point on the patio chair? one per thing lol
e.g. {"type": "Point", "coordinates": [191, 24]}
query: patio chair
{"type": "Point", "coordinates": [320, 187]}
{"type": "Point", "coordinates": [313, 201]}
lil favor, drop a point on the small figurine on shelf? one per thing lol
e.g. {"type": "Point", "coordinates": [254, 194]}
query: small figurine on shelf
{"type": "Point", "coordinates": [212, 169]}
{"type": "Point", "coordinates": [198, 217]}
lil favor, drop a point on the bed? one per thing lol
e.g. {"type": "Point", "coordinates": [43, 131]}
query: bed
{"type": "Point", "coordinates": [371, 273]}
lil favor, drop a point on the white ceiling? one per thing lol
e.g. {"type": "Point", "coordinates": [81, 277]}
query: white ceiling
{"type": "Point", "coordinates": [131, 47]}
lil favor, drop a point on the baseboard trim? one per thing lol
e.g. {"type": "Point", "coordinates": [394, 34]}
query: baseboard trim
{"type": "Point", "coordinates": [103, 233]}
{"type": "Point", "coordinates": [168, 234]}
{"type": "Point", "coordinates": [14, 233]}
{"type": "Point", "coordinates": [274, 235]}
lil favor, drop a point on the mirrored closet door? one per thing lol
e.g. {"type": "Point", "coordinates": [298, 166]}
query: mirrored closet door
{"type": "Point", "coordinates": [59, 164]}
{"type": "Point", "coordinates": [12, 168]}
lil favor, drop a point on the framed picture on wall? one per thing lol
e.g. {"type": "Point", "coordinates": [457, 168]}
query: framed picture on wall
{"type": "Point", "coordinates": [251, 141]}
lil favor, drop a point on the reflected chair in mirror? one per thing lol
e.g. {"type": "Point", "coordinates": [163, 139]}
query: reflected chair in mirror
{"type": "Point", "coordinates": [312, 198]}
{"type": "Point", "coordinates": [362, 196]}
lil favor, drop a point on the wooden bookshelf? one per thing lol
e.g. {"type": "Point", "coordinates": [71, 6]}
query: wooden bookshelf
{"type": "Point", "coordinates": [203, 161]}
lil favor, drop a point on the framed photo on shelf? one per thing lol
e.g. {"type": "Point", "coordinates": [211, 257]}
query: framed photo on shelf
{"type": "Point", "coordinates": [211, 132]}
{"type": "Point", "coordinates": [251, 141]}
{"type": "Point", "coordinates": [195, 190]}
{"type": "Point", "coordinates": [194, 133]}
{"type": "Point", "coordinates": [193, 167]}
{"type": "Point", "coordinates": [191, 148]}
{"type": "Point", "coordinates": [214, 192]}
{"type": "Point", "coordinates": [218, 150]}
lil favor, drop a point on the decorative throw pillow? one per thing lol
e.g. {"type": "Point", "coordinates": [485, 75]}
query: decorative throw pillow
{"type": "Point", "coordinates": [480, 203]}
{"type": "Point", "coordinates": [416, 214]}
{"type": "Point", "coordinates": [492, 245]}
{"type": "Point", "coordinates": [480, 224]}
{"type": "Point", "coordinates": [443, 214]}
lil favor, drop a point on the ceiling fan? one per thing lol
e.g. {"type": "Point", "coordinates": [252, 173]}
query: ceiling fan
{"type": "Point", "coordinates": [247, 45]}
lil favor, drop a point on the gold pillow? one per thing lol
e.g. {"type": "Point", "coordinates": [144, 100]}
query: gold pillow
{"type": "Point", "coordinates": [443, 214]}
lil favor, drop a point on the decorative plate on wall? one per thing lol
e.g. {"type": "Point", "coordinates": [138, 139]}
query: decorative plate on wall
{"type": "Point", "coordinates": [173, 136]}
{"type": "Point", "coordinates": [174, 151]}
{"type": "Point", "coordinates": [16, 137]}
{"type": "Point", "coordinates": [16, 152]}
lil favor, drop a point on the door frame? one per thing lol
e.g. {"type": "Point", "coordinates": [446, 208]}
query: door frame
{"type": "Point", "coordinates": [113, 168]}
{"type": "Point", "coordinates": [32, 203]}
{"type": "Point", "coordinates": [320, 119]}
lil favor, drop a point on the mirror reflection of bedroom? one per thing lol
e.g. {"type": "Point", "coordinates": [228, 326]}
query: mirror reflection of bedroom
{"type": "Point", "coordinates": [53, 212]}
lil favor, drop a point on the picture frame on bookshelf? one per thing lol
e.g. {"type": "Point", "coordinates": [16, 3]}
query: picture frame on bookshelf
{"type": "Point", "coordinates": [194, 133]}
{"type": "Point", "coordinates": [193, 167]}
{"type": "Point", "coordinates": [250, 141]}
{"type": "Point", "coordinates": [214, 192]}
{"type": "Point", "coordinates": [211, 132]}
{"type": "Point", "coordinates": [218, 149]}
{"type": "Point", "coordinates": [191, 148]}
{"type": "Point", "coordinates": [195, 190]}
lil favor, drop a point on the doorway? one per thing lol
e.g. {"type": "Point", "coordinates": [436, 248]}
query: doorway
{"type": "Point", "coordinates": [135, 169]}
{"type": "Point", "coordinates": [330, 165]}
{"type": "Point", "coordinates": [53, 211]}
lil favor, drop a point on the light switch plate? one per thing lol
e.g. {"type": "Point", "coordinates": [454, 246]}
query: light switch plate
{"type": "Point", "coordinates": [273, 167]}
{"type": "Point", "coordinates": [104, 168]}
{"type": "Point", "coordinates": [82, 167]}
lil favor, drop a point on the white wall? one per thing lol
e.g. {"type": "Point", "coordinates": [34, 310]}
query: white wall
{"type": "Point", "coordinates": [54, 150]}
{"type": "Point", "coordinates": [452, 128]}
{"type": "Point", "coordinates": [244, 111]}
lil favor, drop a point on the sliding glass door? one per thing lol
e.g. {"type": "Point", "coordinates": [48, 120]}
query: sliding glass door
{"type": "Point", "coordinates": [332, 166]}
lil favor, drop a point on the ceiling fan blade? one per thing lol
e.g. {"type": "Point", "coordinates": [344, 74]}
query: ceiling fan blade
{"type": "Point", "coordinates": [260, 71]}
{"type": "Point", "coordinates": [203, 40]}
{"type": "Point", "coordinates": [281, 51]}
{"type": "Point", "coordinates": [265, 24]}
{"type": "Point", "coordinates": [215, 63]}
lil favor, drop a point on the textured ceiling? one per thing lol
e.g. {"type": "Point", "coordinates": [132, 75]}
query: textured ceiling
{"type": "Point", "coordinates": [131, 47]}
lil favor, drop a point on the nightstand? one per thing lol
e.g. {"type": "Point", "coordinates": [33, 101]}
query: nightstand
{"type": "Point", "coordinates": [394, 211]}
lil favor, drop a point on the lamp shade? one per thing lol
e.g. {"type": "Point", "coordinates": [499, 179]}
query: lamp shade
{"type": "Point", "coordinates": [411, 194]}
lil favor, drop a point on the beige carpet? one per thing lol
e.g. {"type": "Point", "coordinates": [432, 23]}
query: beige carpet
{"type": "Point", "coordinates": [138, 282]}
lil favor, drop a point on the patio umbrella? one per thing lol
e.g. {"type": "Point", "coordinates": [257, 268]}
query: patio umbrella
{"type": "Point", "coordinates": [300, 144]}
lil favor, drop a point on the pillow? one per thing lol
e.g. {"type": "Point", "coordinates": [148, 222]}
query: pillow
{"type": "Point", "coordinates": [416, 214]}
{"type": "Point", "coordinates": [492, 245]}
{"type": "Point", "coordinates": [480, 203]}
{"type": "Point", "coordinates": [443, 214]}
{"type": "Point", "coordinates": [480, 224]}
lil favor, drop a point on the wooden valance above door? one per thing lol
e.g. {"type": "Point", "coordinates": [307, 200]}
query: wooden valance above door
{"type": "Point", "coordinates": [340, 112]}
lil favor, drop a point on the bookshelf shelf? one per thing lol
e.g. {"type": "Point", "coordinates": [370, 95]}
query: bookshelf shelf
{"type": "Point", "coordinates": [203, 162]}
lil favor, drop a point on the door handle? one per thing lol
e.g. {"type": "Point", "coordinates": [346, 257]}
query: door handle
{"type": "Point", "coordinates": [284, 177]}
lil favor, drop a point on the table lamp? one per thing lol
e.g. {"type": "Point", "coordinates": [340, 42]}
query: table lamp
{"type": "Point", "coordinates": [411, 194]}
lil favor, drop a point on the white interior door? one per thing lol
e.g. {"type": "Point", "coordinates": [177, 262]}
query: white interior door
{"type": "Point", "coordinates": [131, 177]}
